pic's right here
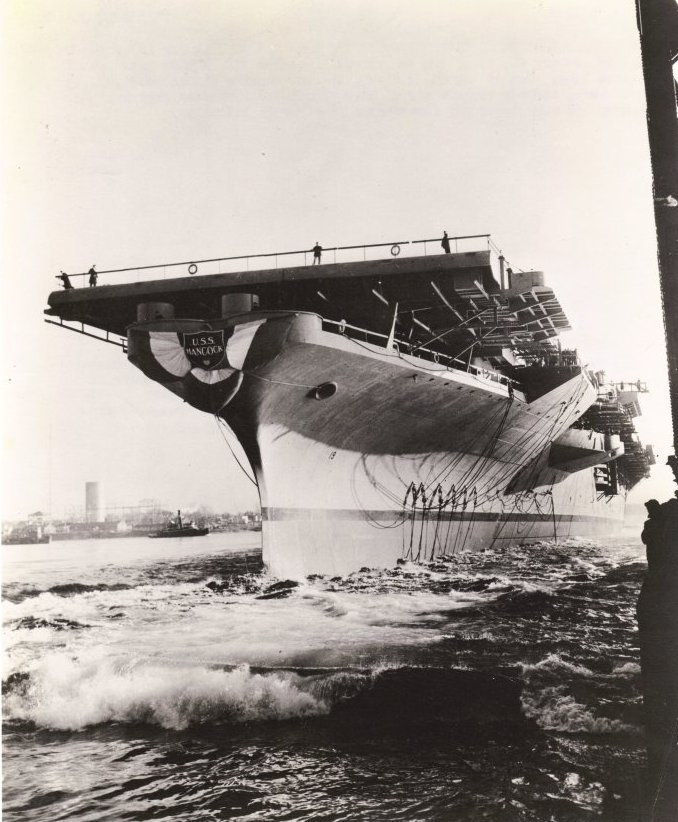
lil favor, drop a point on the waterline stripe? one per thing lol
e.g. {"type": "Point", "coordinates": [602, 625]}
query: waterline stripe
{"type": "Point", "coordinates": [270, 514]}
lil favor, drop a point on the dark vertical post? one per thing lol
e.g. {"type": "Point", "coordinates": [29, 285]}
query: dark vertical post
{"type": "Point", "coordinates": [658, 27]}
{"type": "Point", "coordinates": [658, 602]}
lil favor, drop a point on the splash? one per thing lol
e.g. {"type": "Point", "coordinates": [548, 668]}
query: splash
{"type": "Point", "coordinates": [68, 694]}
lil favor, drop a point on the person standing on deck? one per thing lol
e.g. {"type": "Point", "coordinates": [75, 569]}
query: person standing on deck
{"type": "Point", "coordinates": [317, 253]}
{"type": "Point", "coordinates": [65, 279]}
{"type": "Point", "coordinates": [445, 243]}
{"type": "Point", "coordinates": [92, 277]}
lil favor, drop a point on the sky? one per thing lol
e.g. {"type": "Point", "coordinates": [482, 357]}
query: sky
{"type": "Point", "coordinates": [137, 132]}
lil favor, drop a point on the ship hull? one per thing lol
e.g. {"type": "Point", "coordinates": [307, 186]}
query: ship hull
{"type": "Point", "coordinates": [376, 528]}
{"type": "Point", "coordinates": [364, 456]}
{"type": "Point", "coordinates": [333, 513]}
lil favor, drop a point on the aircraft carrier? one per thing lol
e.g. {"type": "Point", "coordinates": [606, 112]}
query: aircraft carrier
{"type": "Point", "coordinates": [394, 402]}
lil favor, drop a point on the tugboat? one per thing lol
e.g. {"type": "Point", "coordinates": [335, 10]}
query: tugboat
{"type": "Point", "coordinates": [176, 528]}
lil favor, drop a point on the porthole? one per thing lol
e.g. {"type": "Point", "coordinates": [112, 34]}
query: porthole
{"type": "Point", "coordinates": [325, 390]}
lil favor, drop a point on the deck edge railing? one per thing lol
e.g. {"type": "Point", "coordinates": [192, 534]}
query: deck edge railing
{"type": "Point", "coordinates": [191, 266]}
{"type": "Point", "coordinates": [401, 346]}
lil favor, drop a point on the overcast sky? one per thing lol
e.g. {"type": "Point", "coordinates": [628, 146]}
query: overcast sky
{"type": "Point", "coordinates": [148, 131]}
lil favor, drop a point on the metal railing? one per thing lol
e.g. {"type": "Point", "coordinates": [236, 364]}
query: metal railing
{"type": "Point", "coordinates": [402, 347]}
{"type": "Point", "coordinates": [437, 240]}
{"type": "Point", "coordinates": [286, 259]}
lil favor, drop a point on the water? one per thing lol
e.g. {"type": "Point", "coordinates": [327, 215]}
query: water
{"type": "Point", "coordinates": [173, 679]}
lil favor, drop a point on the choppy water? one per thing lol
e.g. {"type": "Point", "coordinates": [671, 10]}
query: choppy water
{"type": "Point", "coordinates": [174, 680]}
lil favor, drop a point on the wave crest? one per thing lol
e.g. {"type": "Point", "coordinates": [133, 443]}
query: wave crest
{"type": "Point", "coordinates": [555, 664]}
{"type": "Point", "coordinates": [67, 694]}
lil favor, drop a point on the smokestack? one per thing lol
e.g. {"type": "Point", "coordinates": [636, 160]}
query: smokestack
{"type": "Point", "coordinates": [94, 502]}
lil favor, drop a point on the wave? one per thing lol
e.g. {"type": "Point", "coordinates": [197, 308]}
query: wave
{"type": "Point", "coordinates": [526, 600]}
{"type": "Point", "coordinates": [69, 694]}
{"type": "Point", "coordinates": [433, 698]}
{"type": "Point", "coordinates": [556, 665]}
{"type": "Point", "coordinates": [69, 589]}
{"type": "Point", "coordinates": [555, 710]}
{"type": "Point", "coordinates": [546, 700]}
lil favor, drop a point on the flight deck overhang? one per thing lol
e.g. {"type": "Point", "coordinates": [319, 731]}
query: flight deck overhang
{"type": "Point", "coordinates": [347, 288]}
{"type": "Point", "coordinates": [452, 303]}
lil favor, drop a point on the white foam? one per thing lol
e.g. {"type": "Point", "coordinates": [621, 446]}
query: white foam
{"type": "Point", "coordinates": [627, 669]}
{"type": "Point", "coordinates": [87, 605]}
{"type": "Point", "coordinates": [311, 627]}
{"type": "Point", "coordinates": [555, 710]}
{"type": "Point", "coordinates": [70, 694]}
{"type": "Point", "coordinates": [556, 664]}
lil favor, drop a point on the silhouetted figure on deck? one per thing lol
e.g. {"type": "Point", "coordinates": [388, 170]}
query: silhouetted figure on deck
{"type": "Point", "coordinates": [658, 634]}
{"type": "Point", "coordinates": [445, 243]}
{"type": "Point", "coordinates": [65, 279]}
{"type": "Point", "coordinates": [651, 535]}
{"type": "Point", "coordinates": [92, 277]}
{"type": "Point", "coordinates": [317, 253]}
{"type": "Point", "coordinates": [660, 536]}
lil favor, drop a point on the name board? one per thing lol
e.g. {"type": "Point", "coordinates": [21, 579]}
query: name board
{"type": "Point", "coordinates": [204, 349]}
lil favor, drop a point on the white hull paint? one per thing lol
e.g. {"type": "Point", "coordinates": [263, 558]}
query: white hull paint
{"type": "Point", "coordinates": [335, 514]}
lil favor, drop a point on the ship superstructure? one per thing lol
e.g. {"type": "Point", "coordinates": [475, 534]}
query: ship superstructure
{"type": "Point", "coordinates": [395, 406]}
